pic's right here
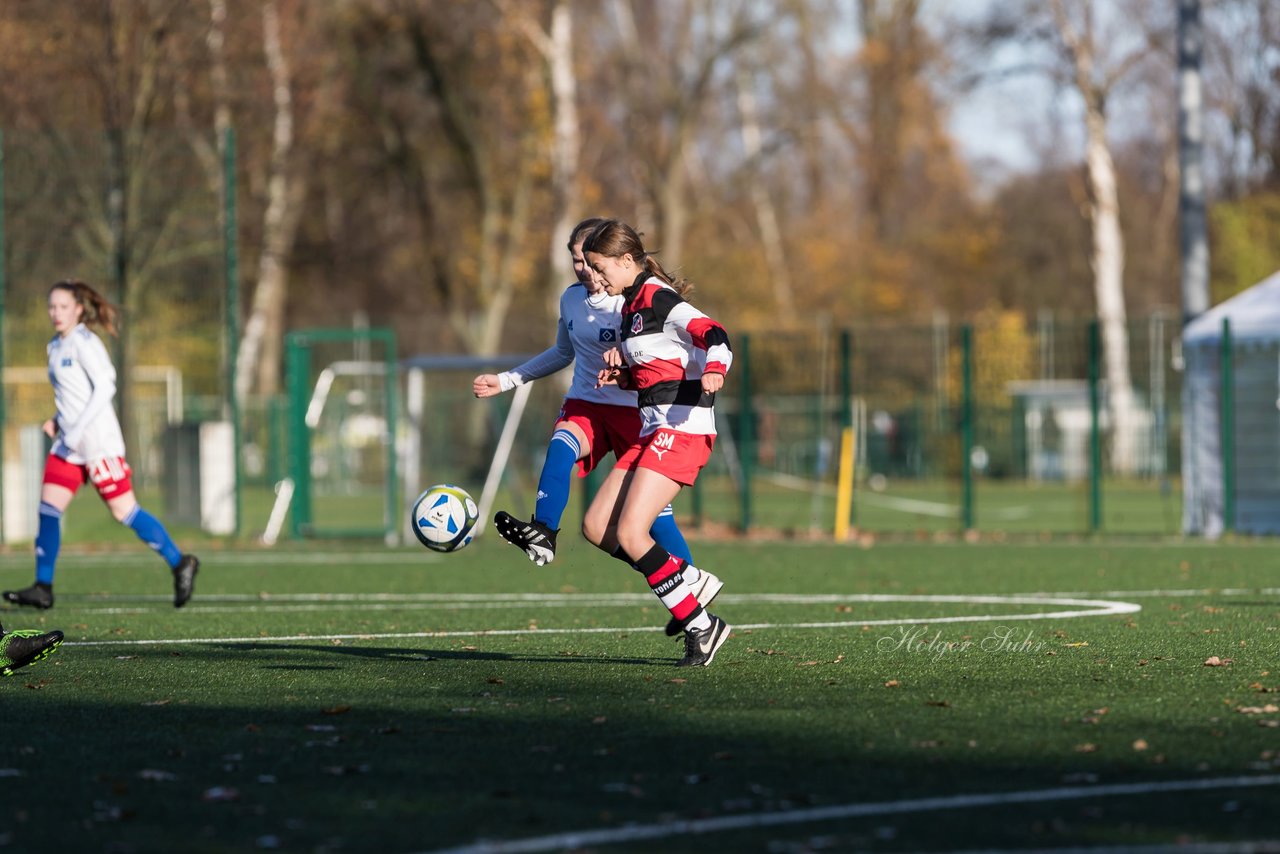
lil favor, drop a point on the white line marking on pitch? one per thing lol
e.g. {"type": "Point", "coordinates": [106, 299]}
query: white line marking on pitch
{"type": "Point", "coordinates": [1079, 608]}
{"type": "Point", "coordinates": [574, 840]}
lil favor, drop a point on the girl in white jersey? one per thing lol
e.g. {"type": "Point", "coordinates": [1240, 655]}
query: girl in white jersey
{"type": "Point", "coordinates": [88, 444]}
{"type": "Point", "coordinates": [593, 421]}
{"type": "Point", "coordinates": [676, 358]}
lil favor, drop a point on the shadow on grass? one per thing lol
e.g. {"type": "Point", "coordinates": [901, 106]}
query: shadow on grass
{"type": "Point", "coordinates": [193, 752]}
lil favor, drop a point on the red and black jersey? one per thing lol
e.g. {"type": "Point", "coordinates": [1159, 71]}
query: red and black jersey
{"type": "Point", "coordinates": [669, 345]}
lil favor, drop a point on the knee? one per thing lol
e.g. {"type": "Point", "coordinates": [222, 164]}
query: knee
{"type": "Point", "coordinates": [593, 533]}
{"type": "Point", "coordinates": [633, 541]}
{"type": "Point", "coordinates": [121, 514]}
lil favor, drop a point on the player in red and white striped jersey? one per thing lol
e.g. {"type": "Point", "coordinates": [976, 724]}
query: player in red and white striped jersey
{"type": "Point", "coordinates": [676, 358]}
{"type": "Point", "coordinates": [593, 421]}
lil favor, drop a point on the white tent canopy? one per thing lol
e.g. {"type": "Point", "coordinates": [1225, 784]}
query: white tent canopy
{"type": "Point", "coordinates": [1253, 317]}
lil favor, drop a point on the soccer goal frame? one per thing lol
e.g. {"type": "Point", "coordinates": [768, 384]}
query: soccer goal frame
{"type": "Point", "coordinates": [307, 404]}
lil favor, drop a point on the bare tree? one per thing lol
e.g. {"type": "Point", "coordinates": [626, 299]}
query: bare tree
{"type": "Point", "coordinates": [260, 356]}
{"type": "Point", "coordinates": [667, 101]}
{"type": "Point", "coordinates": [555, 45]}
{"type": "Point", "coordinates": [1094, 50]}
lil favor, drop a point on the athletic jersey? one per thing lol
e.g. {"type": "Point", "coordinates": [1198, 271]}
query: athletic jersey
{"type": "Point", "coordinates": [588, 326]}
{"type": "Point", "coordinates": [84, 382]}
{"type": "Point", "coordinates": [669, 345]}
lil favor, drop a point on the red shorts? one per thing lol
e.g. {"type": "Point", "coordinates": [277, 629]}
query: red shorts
{"type": "Point", "coordinates": [679, 456]}
{"type": "Point", "coordinates": [109, 475]}
{"type": "Point", "coordinates": [608, 427]}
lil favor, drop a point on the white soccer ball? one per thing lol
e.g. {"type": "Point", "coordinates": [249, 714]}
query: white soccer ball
{"type": "Point", "coordinates": [444, 517]}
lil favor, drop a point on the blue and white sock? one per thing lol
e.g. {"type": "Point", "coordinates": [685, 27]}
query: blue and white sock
{"type": "Point", "coordinates": [666, 533]}
{"type": "Point", "coordinates": [48, 542]}
{"type": "Point", "coordinates": [151, 532]}
{"type": "Point", "coordinates": [557, 474]}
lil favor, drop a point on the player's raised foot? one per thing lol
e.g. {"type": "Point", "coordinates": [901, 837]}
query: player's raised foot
{"type": "Point", "coordinates": [184, 579]}
{"type": "Point", "coordinates": [701, 646]}
{"type": "Point", "coordinates": [533, 538]}
{"type": "Point", "coordinates": [25, 646]}
{"type": "Point", "coordinates": [705, 588]}
{"type": "Point", "coordinates": [36, 596]}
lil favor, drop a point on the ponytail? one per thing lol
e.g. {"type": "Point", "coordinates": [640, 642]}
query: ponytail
{"type": "Point", "coordinates": [98, 310]}
{"type": "Point", "coordinates": [613, 238]}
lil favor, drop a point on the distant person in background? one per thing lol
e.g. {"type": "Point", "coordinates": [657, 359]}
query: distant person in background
{"type": "Point", "coordinates": [88, 444]}
{"type": "Point", "coordinates": [593, 422]}
{"type": "Point", "coordinates": [676, 358]}
{"type": "Point", "coordinates": [25, 646]}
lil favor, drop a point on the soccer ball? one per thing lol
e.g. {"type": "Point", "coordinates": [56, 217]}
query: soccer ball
{"type": "Point", "coordinates": [444, 517]}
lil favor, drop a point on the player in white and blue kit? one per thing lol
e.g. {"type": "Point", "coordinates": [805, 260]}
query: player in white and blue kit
{"type": "Point", "coordinates": [88, 444]}
{"type": "Point", "coordinates": [593, 420]}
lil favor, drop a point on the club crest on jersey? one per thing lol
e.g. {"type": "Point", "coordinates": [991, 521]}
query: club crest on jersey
{"type": "Point", "coordinates": [66, 362]}
{"type": "Point", "coordinates": [637, 323]}
{"type": "Point", "coordinates": [608, 335]}
{"type": "Point", "coordinates": [662, 443]}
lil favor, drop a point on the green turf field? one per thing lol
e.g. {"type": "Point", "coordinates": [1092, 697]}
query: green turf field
{"type": "Point", "coordinates": [904, 697]}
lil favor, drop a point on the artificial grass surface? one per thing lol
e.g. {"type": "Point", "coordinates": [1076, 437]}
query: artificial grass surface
{"type": "Point", "coordinates": [425, 732]}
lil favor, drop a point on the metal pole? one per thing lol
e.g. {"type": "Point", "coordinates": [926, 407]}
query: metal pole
{"type": "Point", "coordinates": [1095, 432]}
{"type": "Point", "coordinates": [846, 410]}
{"type": "Point", "coordinates": [966, 428]}
{"type": "Point", "coordinates": [1228, 422]}
{"type": "Point", "coordinates": [746, 443]}
{"type": "Point", "coordinates": [4, 286]}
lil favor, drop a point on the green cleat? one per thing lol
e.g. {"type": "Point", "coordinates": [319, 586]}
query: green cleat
{"type": "Point", "coordinates": [26, 646]}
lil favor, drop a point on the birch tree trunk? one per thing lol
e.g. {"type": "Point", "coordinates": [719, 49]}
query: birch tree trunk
{"type": "Point", "coordinates": [258, 361]}
{"type": "Point", "coordinates": [1107, 257]}
{"type": "Point", "coordinates": [1108, 273]}
{"type": "Point", "coordinates": [556, 47]}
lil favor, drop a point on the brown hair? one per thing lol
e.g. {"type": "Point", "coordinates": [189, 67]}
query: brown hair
{"type": "Point", "coordinates": [613, 238]}
{"type": "Point", "coordinates": [583, 228]}
{"type": "Point", "coordinates": [98, 311]}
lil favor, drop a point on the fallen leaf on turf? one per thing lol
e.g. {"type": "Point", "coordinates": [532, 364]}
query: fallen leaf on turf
{"type": "Point", "coordinates": [1140, 744]}
{"type": "Point", "coordinates": [336, 710]}
{"type": "Point", "coordinates": [599, 719]}
{"type": "Point", "coordinates": [125, 657]}
{"type": "Point", "coordinates": [1087, 747]}
{"type": "Point", "coordinates": [494, 680]}
{"type": "Point", "coordinates": [678, 681]}
{"type": "Point", "coordinates": [1079, 644]}
{"type": "Point", "coordinates": [1214, 661]}
{"type": "Point", "coordinates": [893, 683]}
{"type": "Point", "coordinates": [158, 776]}
{"type": "Point", "coordinates": [157, 702]}
{"type": "Point", "coordinates": [1268, 709]}
{"type": "Point", "coordinates": [1271, 724]}
{"type": "Point", "coordinates": [941, 704]}
{"type": "Point", "coordinates": [806, 664]}
{"type": "Point", "coordinates": [221, 794]}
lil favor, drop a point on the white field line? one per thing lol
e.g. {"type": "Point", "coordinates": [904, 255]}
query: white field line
{"type": "Point", "coordinates": [570, 598]}
{"type": "Point", "coordinates": [575, 840]}
{"type": "Point", "coordinates": [1077, 608]}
